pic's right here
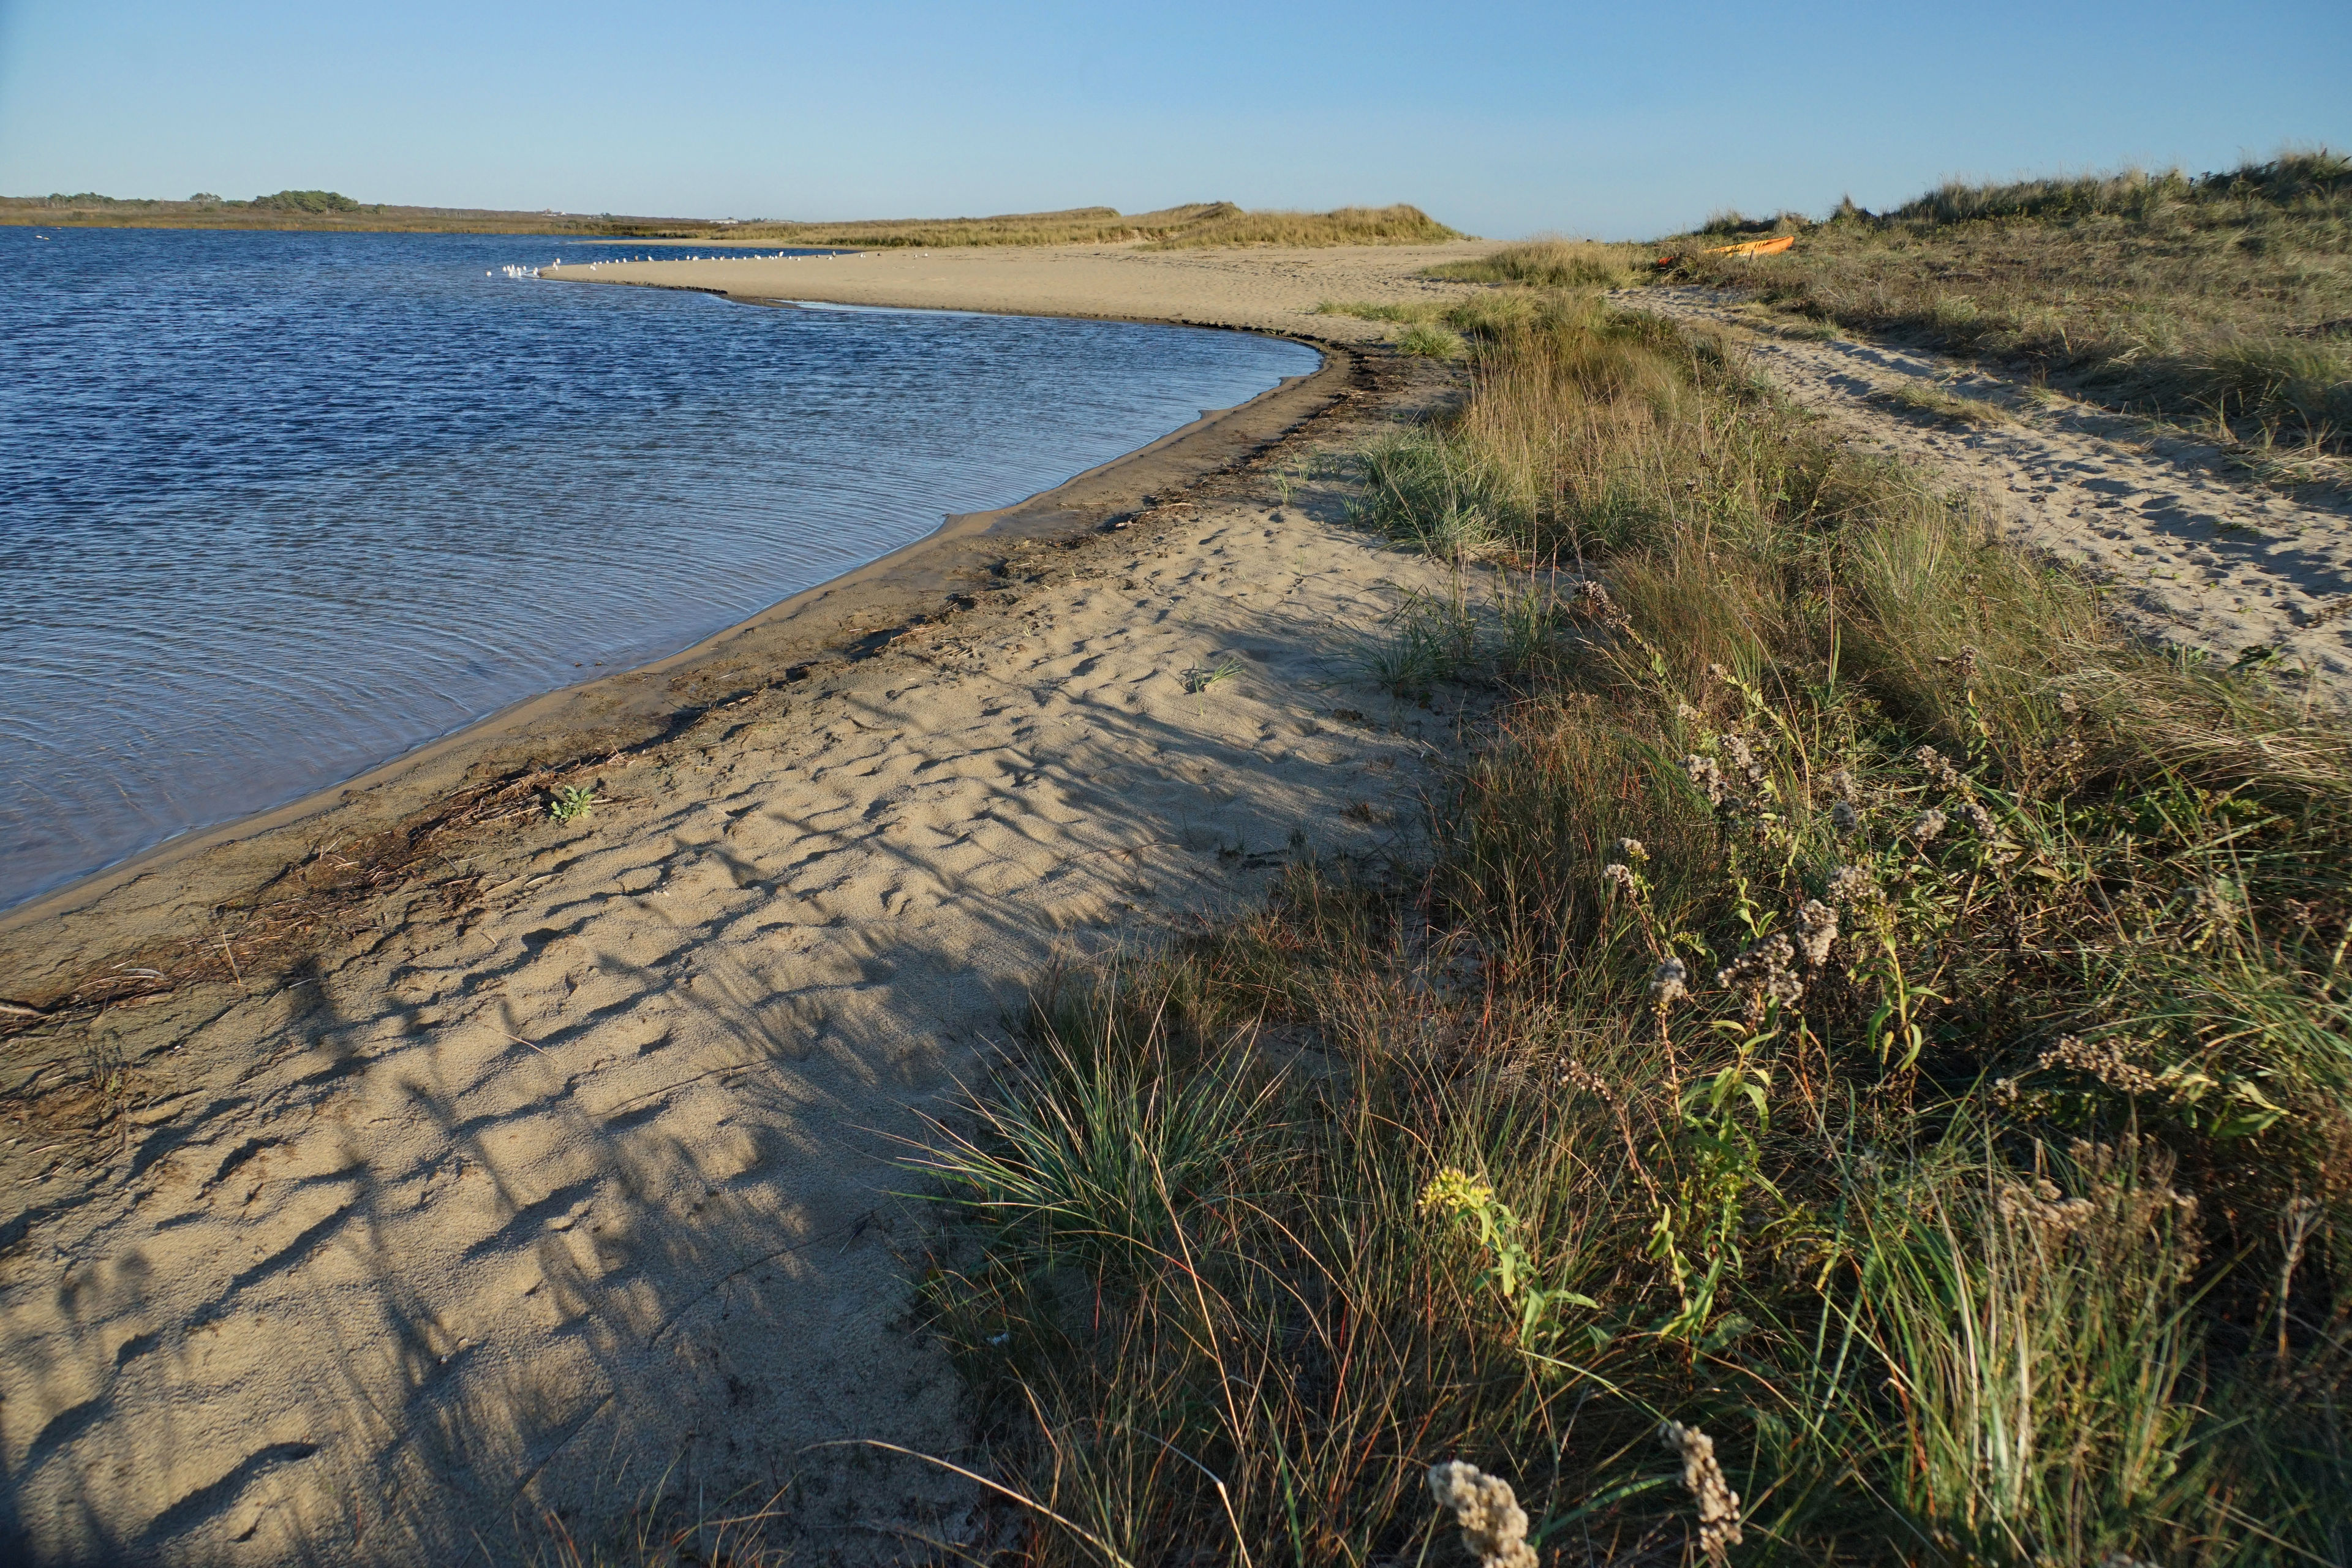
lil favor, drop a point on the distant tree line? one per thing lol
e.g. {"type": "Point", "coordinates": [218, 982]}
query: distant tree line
{"type": "Point", "coordinates": [284, 200]}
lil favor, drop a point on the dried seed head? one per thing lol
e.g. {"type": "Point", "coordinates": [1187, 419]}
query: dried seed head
{"type": "Point", "coordinates": [1620, 876]}
{"type": "Point", "coordinates": [2107, 1059]}
{"type": "Point", "coordinates": [1494, 1525]}
{"type": "Point", "coordinates": [1669, 983]}
{"type": "Point", "coordinates": [1817, 927]}
{"type": "Point", "coordinates": [1963, 664]}
{"type": "Point", "coordinates": [1843, 818]}
{"type": "Point", "coordinates": [2044, 1207]}
{"type": "Point", "coordinates": [1938, 767]}
{"type": "Point", "coordinates": [1925, 826]}
{"type": "Point", "coordinates": [1630, 850]}
{"type": "Point", "coordinates": [1592, 601]}
{"type": "Point", "coordinates": [1988, 831]}
{"type": "Point", "coordinates": [1718, 1505]}
{"type": "Point", "coordinates": [1706, 776]}
{"type": "Point", "coordinates": [1743, 757]}
{"type": "Point", "coordinates": [1848, 788]}
{"type": "Point", "coordinates": [1689, 714]}
{"type": "Point", "coordinates": [1851, 885]}
{"type": "Point", "coordinates": [1767, 968]}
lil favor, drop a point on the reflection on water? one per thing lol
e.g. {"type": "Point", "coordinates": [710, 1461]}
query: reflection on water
{"type": "Point", "coordinates": [275, 508]}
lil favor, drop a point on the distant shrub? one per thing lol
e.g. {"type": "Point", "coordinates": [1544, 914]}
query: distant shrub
{"type": "Point", "coordinates": [307, 201]}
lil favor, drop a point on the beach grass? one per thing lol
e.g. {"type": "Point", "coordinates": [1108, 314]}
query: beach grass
{"type": "Point", "coordinates": [1553, 263]}
{"type": "Point", "coordinates": [1398, 225]}
{"type": "Point", "coordinates": [1857, 1005]}
{"type": "Point", "coordinates": [2223, 299]}
{"type": "Point", "coordinates": [1942, 403]}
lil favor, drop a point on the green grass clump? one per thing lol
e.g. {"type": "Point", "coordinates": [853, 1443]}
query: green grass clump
{"type": "Point", "coordinates": [2218, 298]}
{"type": "Point", "coordinates": [1858, 1004]}
{"type": "Point", "coordinates": [1209, 677]}
{"type": "Point", "coordinates": [1385, 310]}
{"type": "Point", "coordinates": [1431, 342]}
{"type": "Point", "coordinates": [1939, 403]}
{"type": "Point", "coordinates": [1553, 264]}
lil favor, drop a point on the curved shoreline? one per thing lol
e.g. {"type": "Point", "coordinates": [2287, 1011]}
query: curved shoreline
{"type": "Point", "coordinates": [391, 1173]}
{"type": "Point", "coordinates": [574, 718]}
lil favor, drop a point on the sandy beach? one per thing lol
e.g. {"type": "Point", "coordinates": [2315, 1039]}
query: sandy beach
{"type": "Point", "coordinates": [1261, 290]}
{"type": "Point", "coordinates": [404, 1168]}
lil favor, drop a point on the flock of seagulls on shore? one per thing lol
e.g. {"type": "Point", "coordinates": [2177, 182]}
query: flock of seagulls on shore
{"type": "Point", "coordinates": [754, 256]}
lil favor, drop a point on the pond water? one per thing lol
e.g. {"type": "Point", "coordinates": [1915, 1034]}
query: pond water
{"type": "Point", "coordinates": [276, 508]}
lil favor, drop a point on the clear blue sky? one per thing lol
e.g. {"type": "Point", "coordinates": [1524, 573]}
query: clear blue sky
{"type": "Point", "coordinates": [1607, 120]}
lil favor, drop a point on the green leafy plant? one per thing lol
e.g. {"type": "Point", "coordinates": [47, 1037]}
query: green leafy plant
{"type": "Point", "coordinates": [569, 803]}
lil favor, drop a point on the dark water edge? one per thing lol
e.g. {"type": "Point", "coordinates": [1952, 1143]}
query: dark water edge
{"type": "Point", "coordinates": [278, 507]}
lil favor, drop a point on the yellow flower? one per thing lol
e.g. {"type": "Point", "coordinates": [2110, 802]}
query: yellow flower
{"type": "Point", "coordinates": [1456, 1190]}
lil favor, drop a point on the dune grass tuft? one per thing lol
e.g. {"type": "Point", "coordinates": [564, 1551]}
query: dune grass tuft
{"type": "Point", "coordinates": [1941, 403]}
{"type": "Point", "coordinates": [1399, 224]}
{"type": "Point", "coordinates": [1553, 264]}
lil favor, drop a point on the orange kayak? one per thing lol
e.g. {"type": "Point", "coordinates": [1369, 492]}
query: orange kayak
{"type": "Point", "coordinates": [1773, 247]}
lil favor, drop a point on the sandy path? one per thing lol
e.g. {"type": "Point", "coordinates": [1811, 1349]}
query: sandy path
{"type": "Point", "coordinates": [1269, 289]}
{"type": "Point", "coordinates": [587, 1185]}
{"type": "Point", "coordinates": [2205, 559]}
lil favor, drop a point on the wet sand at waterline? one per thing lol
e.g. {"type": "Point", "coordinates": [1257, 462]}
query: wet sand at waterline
{"type": "Point", "coordinates": [393, 1170]}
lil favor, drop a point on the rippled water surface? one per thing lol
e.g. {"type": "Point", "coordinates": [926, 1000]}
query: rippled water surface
{"type": "Point", "coordinates": [276, 508]}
